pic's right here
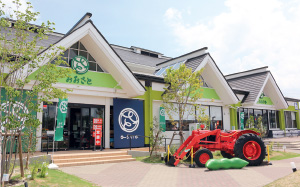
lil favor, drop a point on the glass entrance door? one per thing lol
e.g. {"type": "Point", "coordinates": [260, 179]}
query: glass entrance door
{"type": "Point", "coordinates": [80, 128]}
{"type": "Point", "coordinates": [81, 125]}
{"type": "Point", "coordinates": [75, 125]}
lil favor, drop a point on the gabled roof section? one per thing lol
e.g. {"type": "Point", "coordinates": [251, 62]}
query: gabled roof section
{"type": "Point", "coordinates": [101, 50]}
{"type": "Point", "coordinates": [215, 78]}
{"type": "Point", "coordinates": [211, 74]}
{"type": "Point", "coordinates": [257, 81]}
{"type": "Point", "coordinates": [252, 83]}
{"type": "Point", "coordinates": [195, 62]}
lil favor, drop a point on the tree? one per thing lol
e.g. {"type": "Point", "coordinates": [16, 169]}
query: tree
{"type": "Point", "coordinates": [27, 74]}
{"type": "Point", "coordinates": [183, 89]}
{"type": "Point", "coordinates": [156, 136]}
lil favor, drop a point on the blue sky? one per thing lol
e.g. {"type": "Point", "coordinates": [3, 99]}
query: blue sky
{"type": "Point", "coordinates": [239, 34]}
{"type": "Point", "coordinates": [127, 23]}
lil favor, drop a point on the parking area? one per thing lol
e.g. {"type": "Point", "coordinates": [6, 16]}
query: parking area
{"type": "Point", "coordinates": [142, 174]}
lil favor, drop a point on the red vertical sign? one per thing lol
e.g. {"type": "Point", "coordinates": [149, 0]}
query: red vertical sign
{"type": "Point", "coordinates": [97, 130]}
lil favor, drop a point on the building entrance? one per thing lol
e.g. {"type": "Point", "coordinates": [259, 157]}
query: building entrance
{"type": "Point", "coordinates": [80, 125]}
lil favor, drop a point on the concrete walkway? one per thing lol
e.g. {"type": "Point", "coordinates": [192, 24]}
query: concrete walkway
{"type": "Point", "coordinates": [143, 174]}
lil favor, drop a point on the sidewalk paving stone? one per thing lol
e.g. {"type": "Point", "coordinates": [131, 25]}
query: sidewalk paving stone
{"type": "Point", "coordinates": [142, 174]}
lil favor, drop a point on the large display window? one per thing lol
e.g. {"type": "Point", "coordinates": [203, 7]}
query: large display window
{"type": "Point", "coordinates": [214, 114]}
{"type": "Point", "coordinates": [290, 119]}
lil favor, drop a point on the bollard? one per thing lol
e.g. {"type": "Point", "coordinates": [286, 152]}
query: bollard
{"type": "Point", "coordinates": [293, 166]}
{"type": "Point", "coordinates": [168, 152]}
{"type": "Point", "coordinates": [192, 165]}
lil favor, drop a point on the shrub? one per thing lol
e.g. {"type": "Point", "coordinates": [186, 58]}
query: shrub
{"type": "Point", "coordinates": [44, 170]}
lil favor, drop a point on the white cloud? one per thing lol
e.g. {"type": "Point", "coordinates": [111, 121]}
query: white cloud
{"type": "Point", "coordinates": [250, 34]}
{"type": "Point", "coordinates": [10, 6]}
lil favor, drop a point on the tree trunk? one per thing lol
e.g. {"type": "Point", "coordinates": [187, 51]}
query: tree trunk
{"type": "Point", "coordinates": [180, 125]}
{"type": "Point", "coordinates": [20, 155]}
{"type": "Point", "coordinates": [28, 150]}
{"type": "Point", "coordinates": [154, 143]}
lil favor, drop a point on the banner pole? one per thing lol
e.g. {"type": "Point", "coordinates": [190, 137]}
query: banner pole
{"type": "Point", "coordinates": [55, 122]}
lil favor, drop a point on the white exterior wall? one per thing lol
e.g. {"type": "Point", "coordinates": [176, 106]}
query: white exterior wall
{"type": "Point", "coordinates": [226, 118]}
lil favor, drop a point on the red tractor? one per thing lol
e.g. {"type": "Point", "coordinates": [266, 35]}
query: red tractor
{"type": "Point", "coordinates": [244, 144]}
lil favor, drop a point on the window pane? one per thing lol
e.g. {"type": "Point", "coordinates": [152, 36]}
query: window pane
{"type": "Point", "coordinates": [99, 69]}
{"type": "Point", "coordinates": [82, 47]}
{"type": "Point", "coordinates": [293, 114]}
{"type": "Point", "coordinates": [288, 119]}
{"type": "Point", "coordinates": [92, 66]}
{"type": "Point", "coordinates": [257, 114]}
{"type": "Point", "coordinates": [91, 58]}
{"type": "Point", "coordinates": [272, 119]}
{"type": "Point", "coordinates": [49, 117]}
{"type": "Point", "coordinates": [246, 116]}
{"type": "Point", "coordinates": [216, 111]}
{"type": "Point", "coordinates": [83, 53]}
{"type": "Point", "coordinates": [216, 117]}
{"type": "Point", "coordinates": [75, 46]}
{"type": "Point", "coordinates": [72, 54]}
{"type": "Point", "coordinates": [202, 113]}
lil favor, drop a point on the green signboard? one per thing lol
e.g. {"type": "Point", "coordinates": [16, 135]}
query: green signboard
{"type": "Point", "coordinates": [242, 117]}
{"type": "Point", "coordinates": [263, 99]}
{"type": "Point", "coordinates": [62, 109]}
{"type": "Point", "coordinates": [162, 119]}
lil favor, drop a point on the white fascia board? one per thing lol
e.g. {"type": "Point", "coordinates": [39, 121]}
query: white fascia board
{"type": "Point", "coordinates": [208, 61]}
{"type": "Point", "coordinates": [272, 81]}
{"type": "Point", "coordinates": [282, 99]}
{"type": "Point", "coordinates": [124, 71]}
{"type": "Point", "coordinates": [262, 88]}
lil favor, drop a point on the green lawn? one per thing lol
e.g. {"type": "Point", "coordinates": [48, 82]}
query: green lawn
{"type": "Point", "coordinates": [292, 180]}
{"type": "Point", "coordinates": [58, 178]}
{"type": "Point", "coordinates": [279, 155]}
{"type": "Point", "coordinates": [147, 159]}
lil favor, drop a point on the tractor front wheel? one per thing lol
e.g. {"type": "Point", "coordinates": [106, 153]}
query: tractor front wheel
{"type": "Point", "coordinates": [202, 156]}
{"type": "Point", "coordinates": [251, 148]}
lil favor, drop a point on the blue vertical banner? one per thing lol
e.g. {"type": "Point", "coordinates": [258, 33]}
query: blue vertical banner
{"type": "Point", "coordinates": [128, 120]}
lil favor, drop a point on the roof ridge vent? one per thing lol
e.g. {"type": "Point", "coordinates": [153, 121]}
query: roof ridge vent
{"type": "Point", "coordinates": [146, 52]}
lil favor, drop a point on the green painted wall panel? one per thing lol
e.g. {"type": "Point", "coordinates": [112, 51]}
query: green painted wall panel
{"type": "Point", "coordinates": [209, 93]}
{"type": "Point", "coordinates": [265, 101]}
{"type": "Point", "coordinates": [90, 78]}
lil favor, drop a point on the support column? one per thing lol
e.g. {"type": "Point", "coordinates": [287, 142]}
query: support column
{"type": "Point", "coordinates": [281, 120]}
{"type": "Point", "coordinates": [147, 111]}
{"type": "Point", "coordinates": [107, 122]}
{"type": "Point", "coordinates": [233, 118]}
{"type": "Point", "coordinates": [39, 116]}
{"type": "Point", "coordinates": [297, 119]}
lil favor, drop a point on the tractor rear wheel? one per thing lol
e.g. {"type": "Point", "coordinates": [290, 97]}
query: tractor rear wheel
{"type": "Point", "coordinates": [226, 155]}
{"type": "Point", "coordinates": [202, 156]}
{"type": "Point", "coordinates": [251, 148]}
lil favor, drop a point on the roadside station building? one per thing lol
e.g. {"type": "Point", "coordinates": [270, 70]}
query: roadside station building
{"type": "Point", "coordinates": [123, 88]}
